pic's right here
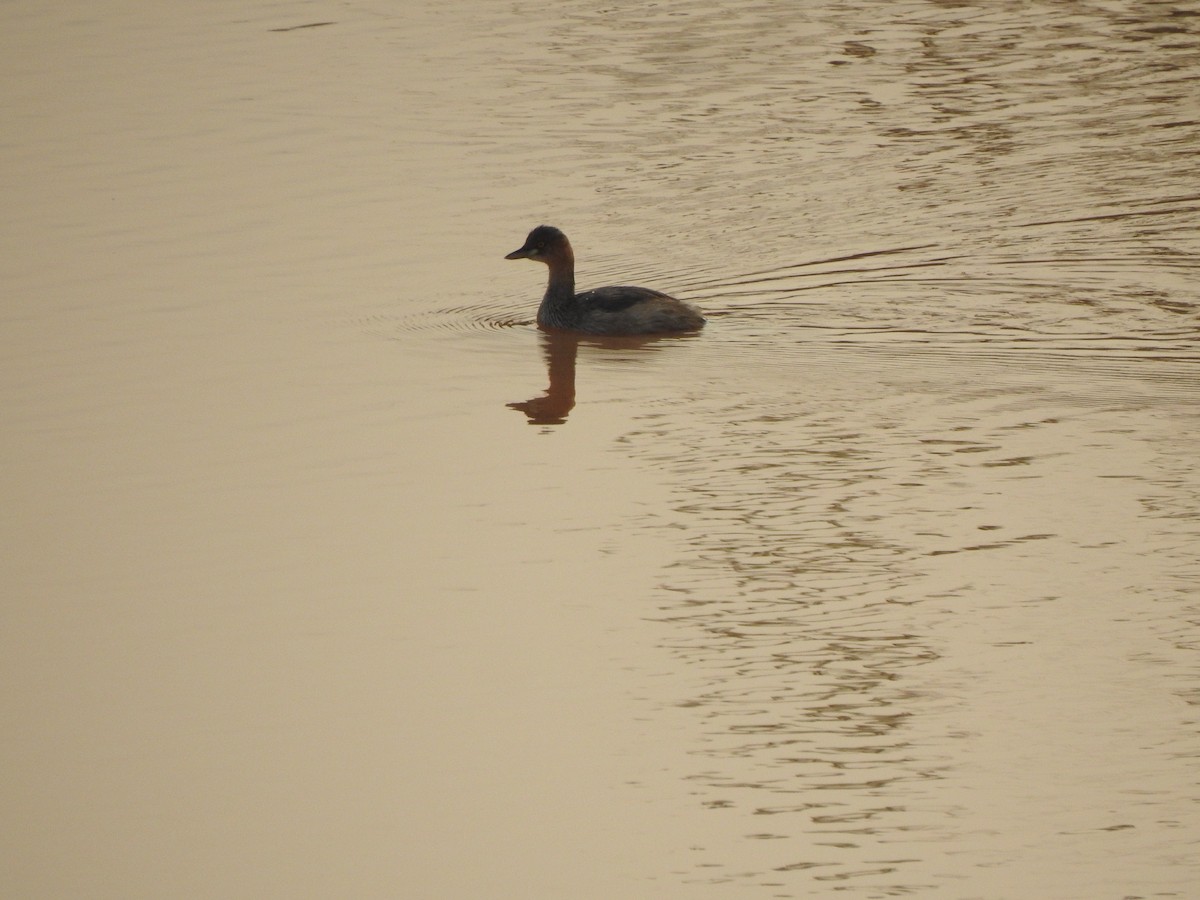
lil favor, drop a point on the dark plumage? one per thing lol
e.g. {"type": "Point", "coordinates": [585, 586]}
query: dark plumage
{"type": "Point", "coordinates": [618, 309]}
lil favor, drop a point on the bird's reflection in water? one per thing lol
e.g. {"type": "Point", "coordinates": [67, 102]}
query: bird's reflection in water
{"type": "Point", "coordinates": [551, 408]}
{"type": "Point", "coordinates": [559, 349]}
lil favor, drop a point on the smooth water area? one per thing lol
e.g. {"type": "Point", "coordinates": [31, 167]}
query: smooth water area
{"type": "Point", "coordinates": [327, 574]}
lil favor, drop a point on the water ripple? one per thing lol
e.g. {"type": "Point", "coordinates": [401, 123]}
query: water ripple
{"type": "Point", "coordinates": [445, 320]}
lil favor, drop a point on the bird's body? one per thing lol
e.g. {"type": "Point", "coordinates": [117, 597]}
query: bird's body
{"type": "Point", "coordinates": [613, 310]}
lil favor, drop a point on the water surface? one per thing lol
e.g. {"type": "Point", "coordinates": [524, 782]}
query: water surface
{"type": "Point", "coordinates": [329, 575]}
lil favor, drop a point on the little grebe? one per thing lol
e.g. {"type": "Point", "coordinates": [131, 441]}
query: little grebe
{"type": "Point", "coordinates": [616, 310]}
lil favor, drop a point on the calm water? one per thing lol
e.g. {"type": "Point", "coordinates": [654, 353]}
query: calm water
{"type": "Point", "coordinates": [327, 574]}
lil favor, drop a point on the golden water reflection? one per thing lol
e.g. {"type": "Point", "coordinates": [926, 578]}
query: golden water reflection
{"type": "Point", "coordinates": [882, 585]}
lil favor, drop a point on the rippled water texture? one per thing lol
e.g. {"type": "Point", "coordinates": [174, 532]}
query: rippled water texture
{"type": "Point", "coordinates": [328, 575]}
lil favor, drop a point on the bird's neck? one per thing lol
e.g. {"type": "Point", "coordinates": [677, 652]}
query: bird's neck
{"type": "Point", "coordinates": [562, 278]}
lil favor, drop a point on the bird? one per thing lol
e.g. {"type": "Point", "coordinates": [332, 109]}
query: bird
{"type": "Point", "coordinates": [612, 310]}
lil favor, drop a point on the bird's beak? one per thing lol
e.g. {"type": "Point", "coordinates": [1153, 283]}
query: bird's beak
{"type": "Point", "coordinates": [523, 253]}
